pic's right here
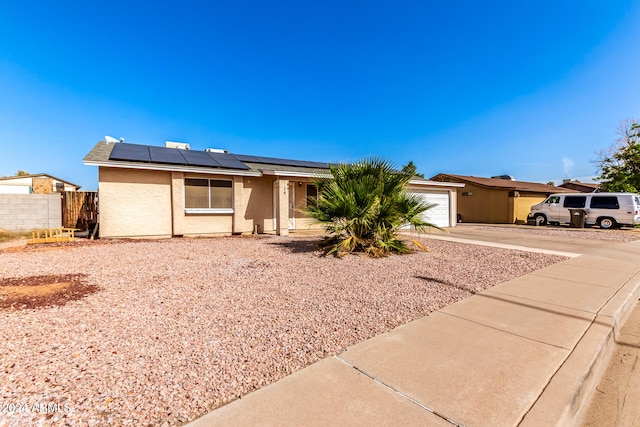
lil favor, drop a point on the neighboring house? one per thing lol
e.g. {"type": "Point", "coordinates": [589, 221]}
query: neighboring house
{"type": "Point", "coordinates": [583, 187]}
{"type": "Point", "coordinates": [35, 184]}
{"type": "Point", "coordinates": [497, 200]}
{"type": "Point", "coordinates": [150, 191]}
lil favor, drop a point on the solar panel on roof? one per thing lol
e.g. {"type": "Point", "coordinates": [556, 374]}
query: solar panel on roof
{"type": "Point", "coordinates": [281, 162]}
{"type": "Point", "coordinates": [172, 156]}
{"type": "Point", "coordinates": [320, 165]}
{"type": "Point", "coordinates": [130, 152]}
{"type": "Point", "coordinates": [200, 158]}
{"type": "Point", "coordinates": [228, 161]}
{"type": "Point", "coordinates": [244, 158]}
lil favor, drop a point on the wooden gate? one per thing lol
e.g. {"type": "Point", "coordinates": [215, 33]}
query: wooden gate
{"type": "Point", "coordinates": [79, 209]}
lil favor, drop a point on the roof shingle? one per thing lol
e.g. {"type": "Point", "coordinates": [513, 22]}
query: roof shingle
{"type": "Point", "coordinates": [506, 184]}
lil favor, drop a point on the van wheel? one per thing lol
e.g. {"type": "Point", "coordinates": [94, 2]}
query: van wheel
{"type": "Point", "coordinates": [607, 223]}
{"type": "Point", "coordinates": [540, 219]}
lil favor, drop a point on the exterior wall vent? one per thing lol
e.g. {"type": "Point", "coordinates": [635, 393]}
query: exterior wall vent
{"type": "Point", "coordinates": [178, 145]}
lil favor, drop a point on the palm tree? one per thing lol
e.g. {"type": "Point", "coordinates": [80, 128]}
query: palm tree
{"type": "Point", "coordinates": [364, 205]}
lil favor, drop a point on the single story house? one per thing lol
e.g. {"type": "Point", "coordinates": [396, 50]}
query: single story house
{"type": "Point", "coordinates": [497, 200]}
{"type": "Point", "coordinates": [35, 184]}
{"type": "Point", "coordinates": [152, 191]}
{"type": "Point", "coordinates": [582, 187]}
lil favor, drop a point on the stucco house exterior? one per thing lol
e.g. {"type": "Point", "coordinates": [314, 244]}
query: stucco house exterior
{"type": "Point", "coordinates": [35, 184]}
{"type": "Point", "coordinates": [497, 200]}
{"type": "Point", "coordinates": [152, 191]}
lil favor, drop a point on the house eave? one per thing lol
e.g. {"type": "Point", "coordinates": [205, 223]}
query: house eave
{"type": "Point", "coordinates": [172, 168]}
{"type": "Point", "coordinates": [436, 183]}
{"type": "Point", "coordinates": [296, 174]}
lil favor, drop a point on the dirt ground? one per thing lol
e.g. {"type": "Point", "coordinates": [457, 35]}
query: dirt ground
{"type": "Point", "coordinates": [43, 291]}
{"type": "Point", "coordinates": [617, 397]}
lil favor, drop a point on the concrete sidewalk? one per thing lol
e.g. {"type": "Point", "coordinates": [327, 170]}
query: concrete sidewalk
{"type": "Point", "coordinates": [526, 352]}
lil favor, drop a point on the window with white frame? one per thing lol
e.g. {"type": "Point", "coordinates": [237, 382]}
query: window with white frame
{"type": "Point", "coordinates": [208, 194]}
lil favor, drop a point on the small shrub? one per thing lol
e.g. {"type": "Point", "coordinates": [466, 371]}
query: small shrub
{"type": "Point", "coordinates": [364, 205]}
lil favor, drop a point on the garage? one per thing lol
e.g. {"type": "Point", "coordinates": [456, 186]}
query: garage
{"type": "Point", "coordinates": [497, 200]}
{"type": "Point", "coordinates": [440, 214]}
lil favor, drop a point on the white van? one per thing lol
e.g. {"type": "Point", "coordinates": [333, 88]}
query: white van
{"type": "Point", "coordinates": [607, 210]}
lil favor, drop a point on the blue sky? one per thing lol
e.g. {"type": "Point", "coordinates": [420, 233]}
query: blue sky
{"type": "Point", "coordinates": [531, 90]}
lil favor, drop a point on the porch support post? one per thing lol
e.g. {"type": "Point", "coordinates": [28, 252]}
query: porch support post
{"type": "Point", "coordinates": [238, 205]}
{"type": "Point", "coordinates": [453, 207]}
{"type": "Point", "coordinates": [282, 207]}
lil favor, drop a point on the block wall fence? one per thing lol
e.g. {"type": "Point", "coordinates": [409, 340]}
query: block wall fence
{"type": "Point", "coordinates": [24, 212]}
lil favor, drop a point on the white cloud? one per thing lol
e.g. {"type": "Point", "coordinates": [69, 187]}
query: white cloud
{"type": "Point", "coordinates": [567, 166]}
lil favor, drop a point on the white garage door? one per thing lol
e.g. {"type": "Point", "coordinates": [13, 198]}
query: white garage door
{"type": "Point", "coordinates": [439, 214]}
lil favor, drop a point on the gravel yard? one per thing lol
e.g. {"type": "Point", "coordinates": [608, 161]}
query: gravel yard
{"type": "Point", "coordinates": [178, 327]}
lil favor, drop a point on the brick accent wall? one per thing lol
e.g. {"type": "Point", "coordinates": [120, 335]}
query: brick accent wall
{"type": "Point", "coordinates": [24, 212]}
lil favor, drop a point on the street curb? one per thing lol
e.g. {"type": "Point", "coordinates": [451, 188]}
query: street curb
{"type": "Point", "coordinates": [565, 400]}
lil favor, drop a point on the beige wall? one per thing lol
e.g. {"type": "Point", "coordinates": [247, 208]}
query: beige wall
{"type": "Point", "coordinates": [139, 203]}
{"type": "Point", "coordinates": [134, 203]}
{"type": "Point", "coordinates": [484, 205]}
{"type": "Point", "coordinates": [523, 203]}
{"type": "Point", "coordinates": [202, 225]}
{"type": "Point", "coordinates": [495, 206]}
{"type": "Point", "coordinates": [258, 203]}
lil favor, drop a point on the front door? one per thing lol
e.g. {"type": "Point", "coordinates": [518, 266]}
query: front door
{"type": "Point", "coordinates": [291, 203]}
{"type": "Point", "coordinates": [292, 207]}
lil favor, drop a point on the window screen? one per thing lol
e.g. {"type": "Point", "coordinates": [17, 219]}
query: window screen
{"type": "Point", "coordinates": [575, 201]}
{"type": "Point", "coordinates": [208, 193]}
{"type": "Point", "coordinates": [221, 194]}
{"type": "Point", "coordinates": [196, 193]}
{"type": "Point", "coordinates": [605, 202]}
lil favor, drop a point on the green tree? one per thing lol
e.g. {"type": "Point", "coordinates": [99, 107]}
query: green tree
{"type": "Point", "coordinates": [620, 165]}
{"type": "Point", "coordinates": [412, 165]}
{"type": "Point", "coordinates": [364, 205]}
{"type": "Point", "coordinates": [22, 173]}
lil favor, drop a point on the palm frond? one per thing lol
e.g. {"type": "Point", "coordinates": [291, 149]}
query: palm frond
{"type": "Point", "coordinates": [363, 207]}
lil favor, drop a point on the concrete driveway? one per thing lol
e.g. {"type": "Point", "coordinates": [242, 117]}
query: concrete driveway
{"type": "Point", "coordinates": [557, 240]}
